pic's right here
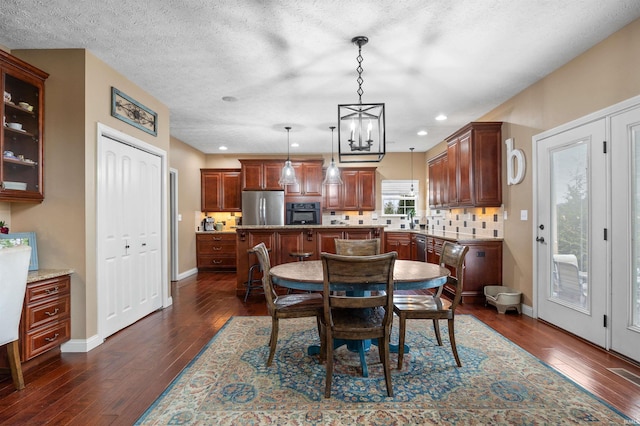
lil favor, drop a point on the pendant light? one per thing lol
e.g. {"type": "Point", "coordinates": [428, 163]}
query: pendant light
{"type": "Point", "coordinates": [361, 134]}
{"type": "Point", "coordinates": [288, 176]}
{"type": "Point", "coordinates": [412, 192]}
{"type": "Point", "coordinates": [333, 172]}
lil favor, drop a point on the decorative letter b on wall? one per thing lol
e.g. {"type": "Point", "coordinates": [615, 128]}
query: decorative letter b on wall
{"type": "Point", "coordinates": [516, 165]}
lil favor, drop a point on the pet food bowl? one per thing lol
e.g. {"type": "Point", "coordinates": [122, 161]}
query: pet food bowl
{"type": "Point", "coordinates": [502, 297]}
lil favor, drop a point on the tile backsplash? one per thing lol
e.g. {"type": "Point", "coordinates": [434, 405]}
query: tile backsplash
{"type": "Point", "coordinates": [478, 221]}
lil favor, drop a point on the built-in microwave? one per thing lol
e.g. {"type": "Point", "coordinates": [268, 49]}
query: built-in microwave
{"type": "Point", "coordinates": [303, 214]}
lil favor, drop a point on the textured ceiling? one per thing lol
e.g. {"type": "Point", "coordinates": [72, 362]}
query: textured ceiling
{"type": "Point", "coordinates": [291, 62]}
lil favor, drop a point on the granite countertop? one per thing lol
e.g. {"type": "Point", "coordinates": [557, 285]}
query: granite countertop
{"type": "Point", "coordinates": [226, 231]}
{"type": "Point", "coordinates": [45, 274]}
{"type": "Point", "coordinates": [307, 226]}
{"type": "Point", "coordinates": [452, 236]}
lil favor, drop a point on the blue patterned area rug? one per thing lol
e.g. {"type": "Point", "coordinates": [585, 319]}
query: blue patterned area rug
{"type": "Point", "coordinates": [499, 383]}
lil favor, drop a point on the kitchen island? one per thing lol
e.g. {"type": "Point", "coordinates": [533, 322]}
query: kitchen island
{"type": "Point", "coordinates": [283, 240]}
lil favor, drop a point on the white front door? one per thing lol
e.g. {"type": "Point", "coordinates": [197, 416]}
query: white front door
{"type": "Point", "coordinates": [625, 251]}
{"type": "Point", "coordinates": [129, 234]}
{"type": "Point", "coordinates": [571, 225]}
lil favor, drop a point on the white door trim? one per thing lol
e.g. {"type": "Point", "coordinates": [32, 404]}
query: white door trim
{"type": "Point", "coordinates": [605, 113]}
{"type": "Point", "coordinates": [173, 199]}
{"type": "Point", "coordinates": [106, 131]}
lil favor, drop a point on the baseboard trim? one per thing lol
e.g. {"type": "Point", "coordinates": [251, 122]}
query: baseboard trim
{"type": "Point", "coordinates": [527, 310]}
{"type": "Point", "coordinates": [188, 273]}
{"type": "Point", "coordinates": [81, 345]}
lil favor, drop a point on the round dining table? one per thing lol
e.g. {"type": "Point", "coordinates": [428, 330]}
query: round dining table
{"type": "Point", "coordinates": [407, 275]}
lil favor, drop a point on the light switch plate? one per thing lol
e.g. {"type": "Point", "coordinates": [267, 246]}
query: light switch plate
{"type": "Point", "coordinates": [524, 214]}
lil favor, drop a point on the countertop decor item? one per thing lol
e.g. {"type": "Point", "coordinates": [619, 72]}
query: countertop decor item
{"type": "Point", "coordinates": [361, 127]}
{"type": "Point", "coordinates": [132, 112]}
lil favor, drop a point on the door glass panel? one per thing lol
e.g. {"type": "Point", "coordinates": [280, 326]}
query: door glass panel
{"type": "Point", "coordinates": [635, 281]}
{"type": "Point", "coordinates": [570, 224]}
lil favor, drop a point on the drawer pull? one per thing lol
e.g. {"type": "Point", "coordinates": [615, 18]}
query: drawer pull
{"type": "Point", "coordinates": [52, 290]}
{"type": "Point", "coordinates": [217, 239]}
{"type": "Point", "coordinates": [52, 313]}
{"type": "Point", "coordinates": [217, 248]}
{"type": "Point", "coordinates": [216, 262]}
{"type": "Point", "coordinates": [51, 339]}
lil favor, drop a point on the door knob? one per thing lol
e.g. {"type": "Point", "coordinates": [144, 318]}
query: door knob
{"type": "Point", "coordinates": [540, 239]}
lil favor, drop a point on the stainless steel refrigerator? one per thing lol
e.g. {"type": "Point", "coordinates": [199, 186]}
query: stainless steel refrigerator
{"type": "Point", "coordinates": [262, 208]}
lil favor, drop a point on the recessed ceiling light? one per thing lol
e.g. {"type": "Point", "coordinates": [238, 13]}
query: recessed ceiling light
{"type": "Point", "coordinates": [422, 133]}
{"type": "Point", "coordinates": [222, 148]}
{"type": "Point", "coordinates": [229, 99]}
{"type": "Point", "coordinates": [441, 117]}
{"type": "Point", "coordinates": [295, 145]}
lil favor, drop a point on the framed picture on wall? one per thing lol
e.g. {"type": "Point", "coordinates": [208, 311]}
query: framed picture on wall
{"type": "Point", "coordinates": [22, 238]}
{"type": "Point", "coordinates": [133, 112]}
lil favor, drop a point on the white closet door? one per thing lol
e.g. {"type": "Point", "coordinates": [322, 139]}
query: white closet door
{"type": "Point", "coordinates": [129, 196]}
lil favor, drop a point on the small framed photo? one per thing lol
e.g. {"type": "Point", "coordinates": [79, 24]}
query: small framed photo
{"type": "Point", "coordinates": [133, 112]}
{"type": "Point", "coordinates": [22, 238]}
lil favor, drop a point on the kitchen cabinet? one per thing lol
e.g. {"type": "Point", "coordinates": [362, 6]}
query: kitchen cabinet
{"type": "Point", "coordinates": [399, 242]}
{"type": "Point", "coordinates": [309, 177]}
{"type": "Point", "coordinates": [21, 139]}
{"type": "Point", "coordinates": [438, 181]}
{"type": "Point", "coordinates": [474, 159]}
{"type": "Point", "coordinates": [221, 190]}
{"type": "Point", "coordinates": [216, 251]}
{"type": "Point", "coordinates": [357, 192]}
{"type": "Point", "coordinates": [482, 265]}
{"type": "Point", "coordinates": [292, 238]}
{"type": "Point", "coordinates": [260, 175]}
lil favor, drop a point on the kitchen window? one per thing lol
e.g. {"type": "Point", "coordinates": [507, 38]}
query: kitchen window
{"type": "Point", "coordinates": [396, 197]}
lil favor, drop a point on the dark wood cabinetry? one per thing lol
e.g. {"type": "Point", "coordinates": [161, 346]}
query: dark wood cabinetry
{"type": "Point", "coordinates": [46, 316]}
{"type": "Point", "coordinates": [438, 181]}
{"type": "Point", "coordinates": [482, 265]}
{"type": "Point", "coordinates": [357, 192]}
{"type": "Point", "coordinates": [474, 166]}
{"type": "Point", "coordinates": [221, 190]}
{"type": "Point", "coordinates": [216, 251]}
{"type": "Point", "coordinates": [309, 177]}
{"type": "Point", "coordinates": [282, 241]}
{"type": "Point", "coordinates": [399, 242]}
{"type": "Point", "coordinates": [260, 175]}
{"type": "Point", "coordinates": [21, 139]}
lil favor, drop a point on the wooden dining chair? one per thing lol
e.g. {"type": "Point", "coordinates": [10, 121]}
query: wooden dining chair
{"type": "Point", "coordinates": [285, 306]}
{"type": "Point", "coordinates": [434, 307]}
{"type": "Point", "coordinates": [357, 316]}
{"type": "Point", "coordinates": [14, 269]}
{"type": "Point", "coordinates": [357, 247]}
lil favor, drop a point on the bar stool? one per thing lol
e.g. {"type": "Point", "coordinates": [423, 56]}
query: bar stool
{"type": "Point", "coordinates": [253, 283]}
{"type": "Point", "coordinates": [301, 255]}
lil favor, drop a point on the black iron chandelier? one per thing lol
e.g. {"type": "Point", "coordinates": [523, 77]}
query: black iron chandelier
{"type": "Point", "coordinates": [361, 127]}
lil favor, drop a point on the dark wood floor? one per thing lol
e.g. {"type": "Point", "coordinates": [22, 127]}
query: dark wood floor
{"type": "Point", "coordinates": [116, 382]}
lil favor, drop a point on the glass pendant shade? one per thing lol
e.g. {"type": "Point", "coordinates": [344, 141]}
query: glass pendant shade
{"type": "Point", "coordinates": [288, 176]}
{"type": "Point", "coordinates": [332, 175]}
{"type": "Point", "coordinates": [411, 192]}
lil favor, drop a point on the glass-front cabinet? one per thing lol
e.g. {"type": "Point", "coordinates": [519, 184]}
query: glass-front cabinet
{"type": "Point", "coordinates": [21, 139]}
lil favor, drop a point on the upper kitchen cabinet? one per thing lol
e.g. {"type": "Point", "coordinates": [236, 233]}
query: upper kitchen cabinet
{"type": "Point", "coordinates": [309, 177]}
{"type": "Point", "coordinates": [474, 166]}
{"type": "Point", "coordinates": [357, 192]}
{"type": "Point", "coordinates": [21, 140]}
{"type": "Point", "coordinates": [438, 181]}
{"type": "Point", "coordinates": [220, 190]}
{"type": "Point", "coordinates": [260, 175]}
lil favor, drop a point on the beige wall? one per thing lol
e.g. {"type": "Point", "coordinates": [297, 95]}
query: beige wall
{"type": "Point", "coordinates": [602, 76]}
{"type": "Point", "coordinates": [77, 97]}
{"type": "Point", "coordinates": [187, 161]}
